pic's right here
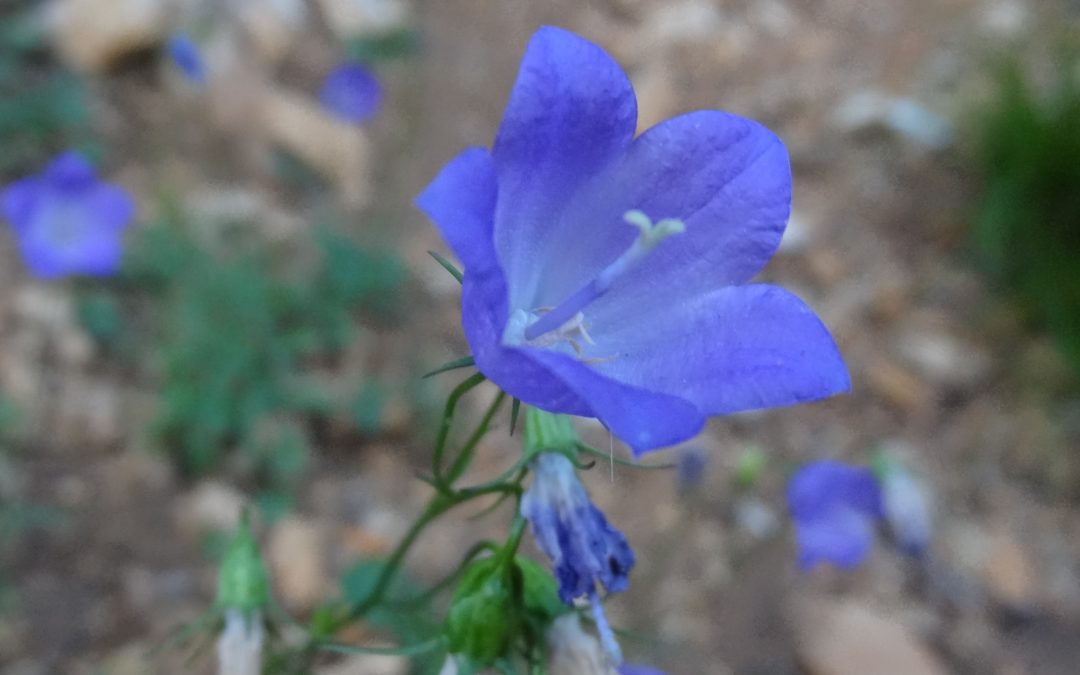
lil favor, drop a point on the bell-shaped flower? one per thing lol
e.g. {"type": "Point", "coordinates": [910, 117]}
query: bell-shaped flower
{"type": "Point", "coordinates": [835, 508]}
{"type": "Point", "coordinates": [351, 93]}
{"type": "Point", "coordinates": [66, 220]}
{"type": "Point", "coordinates": [605, 274]}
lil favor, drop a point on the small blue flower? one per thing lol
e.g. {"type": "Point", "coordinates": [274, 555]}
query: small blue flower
{"type": "Point", "coordinates": [183, 52]}
{"type": "Point", "coordinates": [605, 275]}
{"type": "Point", "coordinates": [835, 507]}
{"type": "Point", "coordinates": [633, 669]}
{"type": "Point", "coordinates": [584, 547]}
{"type": "Point", "coordinates": [66, 220]}
{"type": "Point", "coordinates": [351, 93]}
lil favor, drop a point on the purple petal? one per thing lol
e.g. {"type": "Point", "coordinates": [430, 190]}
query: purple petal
{"type": "Point", "coordinates": [183, 52]}
{"type": "Point", "coordinates": [635, 669]}
{"type": "Point", "coordinates": [69, 170]}
{"type": "Point", "coordinates": [351, 92]}
{"type": "Point", "coordinates": [19, 201]}
{"type": "Point", "coordinates": [571, 115]}
{"type": "Point", "coordinates": [726, 177]}
{"type": "Point", "coordinates": [461, 203]}
{"type": "Point", "coordinates": [736, 348]}
{"type": "Point", "coordinates": [642, 418]}
{"type": "Point", "coordinates": [842, 537]}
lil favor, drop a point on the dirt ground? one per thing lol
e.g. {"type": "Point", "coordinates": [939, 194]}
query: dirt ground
{"type": "Point", "coordinates": [944, 374]}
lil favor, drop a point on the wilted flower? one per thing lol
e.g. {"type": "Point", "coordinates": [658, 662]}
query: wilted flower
{"type": "Point", "coordinates": [240, 644]}
{"type": "Point", "coordinates": [66, 220]}
{"type": "Point", "coordinates": [604, 274]}
{"type": "Point", "coordinates": [906, 505]}
{"type": "Point", "coordinates": [570, 530]}
{"type": "Point", "coordinates": [834, 507]}
{"type": "Point", "coordinates": [183, 52]}
{"type": "Point", "coordinates": [351, 93]}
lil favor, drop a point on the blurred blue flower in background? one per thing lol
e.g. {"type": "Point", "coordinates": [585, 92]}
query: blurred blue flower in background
{"type": "Point", "coordinates": [690, 468]}
{"type": "Point", "coordinates": [604, 274]}
{"type": "Point", "coordinates": [351, 93]}
{"type": "Point", "coordinates": [183, 52]}
{"type": "Point", "coordinates": [835, 507]}
{"type": "Point", "coordinates": [66, 220]}
{"type": "Point", "coordinates": [632, 669]}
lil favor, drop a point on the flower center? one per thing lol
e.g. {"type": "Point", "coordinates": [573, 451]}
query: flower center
{"type": "Point", "coordinates": [567, 315]}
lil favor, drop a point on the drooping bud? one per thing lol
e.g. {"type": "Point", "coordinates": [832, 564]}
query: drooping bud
{"type": "Point", "coordinates": [243, 582]}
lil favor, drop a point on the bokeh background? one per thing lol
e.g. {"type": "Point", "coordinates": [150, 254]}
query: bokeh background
{"type": "Point", "coordinates": [265, 340]}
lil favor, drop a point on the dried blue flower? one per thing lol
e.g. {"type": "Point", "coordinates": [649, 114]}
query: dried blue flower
{"type": "Point", "coordinates": [604, 275]}
{"type": "Point", "coordinates": [351, 93]}
{"type": "Point", "coordinates": [183, 52]}
{"type": "Point", "coordinates": [584, 547]}
{"type": "Point", "coordinates": [834, 507]}
{"type": "Point", "coordinates": [66, 220]}
{"type": "Point", "coordinates": [906, 506]}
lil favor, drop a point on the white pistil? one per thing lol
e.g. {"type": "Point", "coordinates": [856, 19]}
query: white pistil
{"type": "Point", "coordinates": [567, 311]}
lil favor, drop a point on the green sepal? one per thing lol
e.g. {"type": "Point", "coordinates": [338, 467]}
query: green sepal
{"type": "Point", "coordinates": [540, 592]}
{"type": "Point", "coordinates": [243, 582]}
{"type": "Point", "coordinates": [549, 432]}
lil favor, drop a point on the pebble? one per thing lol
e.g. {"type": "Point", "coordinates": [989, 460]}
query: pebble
{"type": "Point", "coordinates": [941, 357]}
{"type": "Point", "coordinates": [844, 637]}
{"type": "Point", "coordinates": [352, 18]}
{"type": "Point", "coordinates": [210, 506]}
{"type": "Point", "coordinates": [339, 151]}
{"type": "Point", "coordinates": [94, 35]}
{"type": "Point", "coordinates": [271, 25]}
{"type": "Point", "coordinates": [367, 665]}
{"type": "Point", "coordinates": [294, 552]}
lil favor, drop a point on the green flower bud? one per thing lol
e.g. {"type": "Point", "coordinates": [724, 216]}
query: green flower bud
{"type": "Point", "coordinates": [243, 582]}
{"type": "Point", "coordinates": [540, 591]}
{"type": "Point", "coordinates": [484, 620]}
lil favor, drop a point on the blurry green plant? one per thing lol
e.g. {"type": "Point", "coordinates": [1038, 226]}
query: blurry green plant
{"type": "Point", "coordinates": [42, 107]}
{"type": "Point", "coordinates": [1027, 223]}
{"type": "Point", "coordinates": [238, 336]}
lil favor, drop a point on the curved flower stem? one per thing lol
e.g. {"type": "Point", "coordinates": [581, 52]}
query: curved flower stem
{"type": "Point", "coordinates": [447, 419]}
{"type": "Point", "coordinates": [461, 462]}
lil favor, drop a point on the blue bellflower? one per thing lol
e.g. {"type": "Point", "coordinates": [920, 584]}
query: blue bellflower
{"type": "Point", "coordinates": [66, 220]}
{"type": "Point", "coordinates": [604, 274]}
{"type": "Point", "coordinates": [183, 52]}
{"type": "Point", "coordinates": [351, 93]}
{"type": "Point", "coordinates": [570, 530]}
{"type": "Point", "coordinates": [835, 507]}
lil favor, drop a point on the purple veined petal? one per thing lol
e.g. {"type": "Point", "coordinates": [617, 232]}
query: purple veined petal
{"type": "Point", "coordinates": [571, 115]}
{"type": "Point", "coordinates": [352, 93]}
{"type": "Point", "coordinates": [726, 177]}
{"type": "Point", "coordinates": [461, 203]}
{"type": "Point", "coordinates": [483, 316]}
{"type": "Point", "coordinates": [736, 348]}
{"type": "Point", "coordinates": [185, 54]}
{"type": "Point", "coordinates": [644, 419]}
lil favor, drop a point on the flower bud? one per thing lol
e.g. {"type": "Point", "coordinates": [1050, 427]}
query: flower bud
{"type": "Point", "coordinates": [243, 582]}
{"type": "Point", "coordinates": [483, 619]}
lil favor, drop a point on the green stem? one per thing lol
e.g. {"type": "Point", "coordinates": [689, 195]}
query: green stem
{"type": "Point", "coordinates": [448, 418]}
{"type": "Point", "coordinates": [461, 462]}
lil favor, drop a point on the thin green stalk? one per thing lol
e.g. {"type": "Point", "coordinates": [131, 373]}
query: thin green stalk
{"type": "Point", "coordinates": [461, 462]}
{"type": "Point", "coordinates": [448, 418]}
